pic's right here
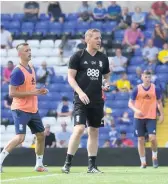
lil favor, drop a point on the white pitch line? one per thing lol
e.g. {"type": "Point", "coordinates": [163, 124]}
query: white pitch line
{"type": "Point", "coordinates": [29, 177]}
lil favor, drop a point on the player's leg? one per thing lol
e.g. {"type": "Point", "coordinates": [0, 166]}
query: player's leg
{"type": "Point", "coordinates": [140, 132]}
{"type": "Point", "coordinates": [151, 127]}
{"type": "Point", "coordinates": [20, 121]}
{"type": "Point", "coordinates": [37, 128]}
{"type": "Point", "coordinates": [80, 123]}
{"type": "Point", "coordinates": [95, 116]}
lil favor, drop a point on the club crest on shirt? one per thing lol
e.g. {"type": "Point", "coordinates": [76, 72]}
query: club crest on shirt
{"type": "Point", "coordinates": [100, 64]}
{"type": "Point", "coordinates": [33, 81]}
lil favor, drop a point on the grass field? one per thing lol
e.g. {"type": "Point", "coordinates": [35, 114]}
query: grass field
{"type": "Point", "coordinates": [78, 175]}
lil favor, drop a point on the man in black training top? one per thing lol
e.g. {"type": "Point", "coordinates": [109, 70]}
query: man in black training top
{"type": "Point", "coordinates": [87, 68]}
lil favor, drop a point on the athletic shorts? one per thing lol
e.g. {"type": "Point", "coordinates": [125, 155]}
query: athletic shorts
{"type": "Point", "coordinates": [143, 126]}
{"type": "Point", "coordinates": [21, 119]}
{"type": "Point", "coordinates": [89, 115]}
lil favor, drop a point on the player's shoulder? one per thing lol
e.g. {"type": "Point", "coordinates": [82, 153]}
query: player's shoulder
{"type": "Point", "coordinates": [16, 71]}
{"type": "Point", "coordinates": [79, 53]}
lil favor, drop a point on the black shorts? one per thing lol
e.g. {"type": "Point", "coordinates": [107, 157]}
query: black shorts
{"type": "Point", "coordinates": [143, 126]}
{"type": "Point", "coordinates": [89, 115]}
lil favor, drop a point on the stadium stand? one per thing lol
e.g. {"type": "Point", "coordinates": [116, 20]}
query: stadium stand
{"type": "Point", "coordinates": [38, 35]}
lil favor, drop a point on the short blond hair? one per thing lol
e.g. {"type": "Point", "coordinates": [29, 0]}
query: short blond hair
{"type": "Point", "coordinates": [90, 32]}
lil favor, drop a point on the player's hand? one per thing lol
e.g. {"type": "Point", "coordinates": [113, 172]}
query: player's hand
{"type": "Point", "coordinates": [41, 91]}
{"type": "Point", "coordinates": [139, 113]}
{"type": "Point", "coordinates": [106, 87]}
{"type": "Point", "coordinates": [84, 98]}
{"type": "Point", "coordinates": [161, 119]}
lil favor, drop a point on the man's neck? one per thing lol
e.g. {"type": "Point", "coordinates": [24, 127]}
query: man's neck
{"type": "Point", "coordinates": [146, 85]}
{"type": "Point", "coordinates": [92, 52]}
{"type": "Point", "coordinates": [24, 63]}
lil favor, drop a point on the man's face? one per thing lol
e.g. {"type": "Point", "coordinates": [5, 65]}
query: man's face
{"type": "Point", "coordinates": [95, 41]}
{"type": "Point", "coordinates": [134, 26]}
{"type": "Point", "coordinates": [124, 76]}
{"type": "Point", "coordinates": [25, 53]}
{"type": "Point", "coordinates": [65, 102]}
{"type": "Point", "coordinates": [47, 129]}
{"type": "Point", "coordinates": [146, 79]}
{"type": "Point", "coordinates": [150, 43]}
{"type": "Point", "coordinates": [10, 66]}
{"type": "Point", "coordinates": [118, 52]}
{"type": "Point", "coordinates": [123, 136]}
{"type": "Point", "coordinates": [138, 71]}
{"type": "Point", "coordinates": [44, 65]}
{"type": "Point", "coordinates": [165, 46]}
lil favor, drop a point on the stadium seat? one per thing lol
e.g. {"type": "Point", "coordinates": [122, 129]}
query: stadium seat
{"type": "Point", "coordinates": [122, 96]}
{"type": "Point", "coordinates": [120, 104]}
{"type": "Point", "coordinates": [43, 112]}
{"type": "Point", "coordinates": [16, 42]}
{"type": "Point", "coordinates": [2, 129]}
{"type": "Point", "coordinates": [42, 25]}
{"type": "Point", "coordinates": [54, 52]}
{"type": "Point", "coordinates": [47, 44]}
{"type": "Point", "coordinates": [163, 77]}
{"type": "Point", "coordinates": [12, 53]}
{"type": "Point", "coordinates": [10, 129]}
{"type": "Point", "coordinates": [72, 17]}
{"type": "Point", "coordinates": [27, 25]}
{"type": "Point", "coordinates": [18, 16]}
{"type": "Point", "coordinates": [3, 52]}
{"type": "Point", "coordinates": [14, 25]}
{"type": "Point", "coordinates": [51, 61]}
{"type": "Point", "coordinates": [96, 25]}
{"type": "Point", "coordinates": [55, 26]}
{"type": "Point", "coordinates": [136, 60]}
{"type": "Point", "coordinates": [34, 43]}
{"type": "Point", "coordinates": [131, 69]}
{"type": "Point", "coordinates": [6, 17]}
{"type": "Point", "coordinates": [6, 24]}
{"type": "Point", "coordinates": [44, 17]}
{"type": "Point", "coordinates": [37, 61]}
{"type": "Point", "coordinates": [162, 69]}
{"type": "Point", "coordinates": [110, 96]}
{"type": "Point", "coordinates": [15, 60]}
{"type": "Point", "coordinates": [117, 112]}
{"type": "Point", "coordinates": [49, 120]}
{"type": "Point", "coordinates": [83, 26]}
{"type": "Point", "coordinates": [69, 25]}
{"type": "Point", "coordinates": [119, 34]}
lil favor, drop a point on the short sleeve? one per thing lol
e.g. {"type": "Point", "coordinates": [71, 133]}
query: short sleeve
{"type": "Point", "coordinates": [17, 77]}
{"type": "Point", "coordinates": [106, 68]}
{"type": "Point", "coordinates": [74, 62]}
{"type": "Point", "coordinates": [158, 93]}
{"type": "Point", "coordinates": [134, 93]}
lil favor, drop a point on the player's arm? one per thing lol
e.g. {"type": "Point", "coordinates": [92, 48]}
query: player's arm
{"type": "Point", "coordinates": [72, 71]}
{"type": "Point", "coordinates": [132, 102]}
{"type": "Point", "coordinates": [159, 105]}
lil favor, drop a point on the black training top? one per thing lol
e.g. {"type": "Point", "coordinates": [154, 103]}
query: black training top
{"type": "Point", "coordinates": [89, 72]}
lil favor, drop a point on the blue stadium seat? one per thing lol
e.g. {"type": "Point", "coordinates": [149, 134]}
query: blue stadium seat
{"type": "Point", "coordinates": [83, 142]}
{"type": "Point", "coordinates": [15, 32]}
{"type": "Point", "coordinates": [117, 112]}
{"type": "Point", "coordinates": [162, 69]}
{"type": "Point", "coordinates": [14, 25]}
{"type": "Point", "coordinates": [96, 25]}
{"type": "Point", "coordinates": [131, 69]}
{"type": "Point", "coordinates": [6, 113]}
{"type": "Point", "coordinates": [55, 26]}
{"type": "Point", "coordinates": [69, 25]}
{"type": "Point", "coordinates": [163, 77]}
{"type": "Point", "coordinates": [119, 104]}
{"type": "Point", "coordinates": [55, 32]}
{"type": "Point", "coordinates": [18, 16]}
{"type": "Point", "coordinates": [136, 60]}
{"type": "Point", "coordinates": [6, 17]}
{"type": "Point", "coordinates": [67, 88]}
{"type": "Point", "coordinates": [43, 104]}
{"type": "Point", "coordinates": [43, 112]}
{"type": "Point", "coordinates": [83, 26]}
{"type": "Point", "coordinates": [138, 52]}
{"type": "Point", "coordinates": [42, 25]}
{"type": "Point", "coordinates": [54, 96]}
{"type": "Point", "coordinates": [122, 96]}
{"type": "Point", "coordinates": [28, 25]}
{"type": "Point", "coordinates": [110, 96]}
{"type": "Point", "coordinates": [69, 31]}
{"type": "Point", "coordinates": [5, 88]}
{"type": "Point", "coordinates": [109, 25]}
{"type": "Point", "coordinates": [44, 17]}
{"type": "Point", "coordinates": [53, 105]}
{"type": "Point", "coordinates": [72, 17]}
{"type": "Point", "coordinates": [104, 130]}
{"type": "Point", "coordinates": [119, 34]}
{"type": "Point", "coordinates": [6, 24]}
{"type": "Point", "coordinates": [39, 31]}
{"type": "Point", "coordinates": [151, 23]}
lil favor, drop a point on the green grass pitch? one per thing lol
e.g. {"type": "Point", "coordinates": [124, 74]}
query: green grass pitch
{"type": "Point", "coordinates": [78, 175]}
